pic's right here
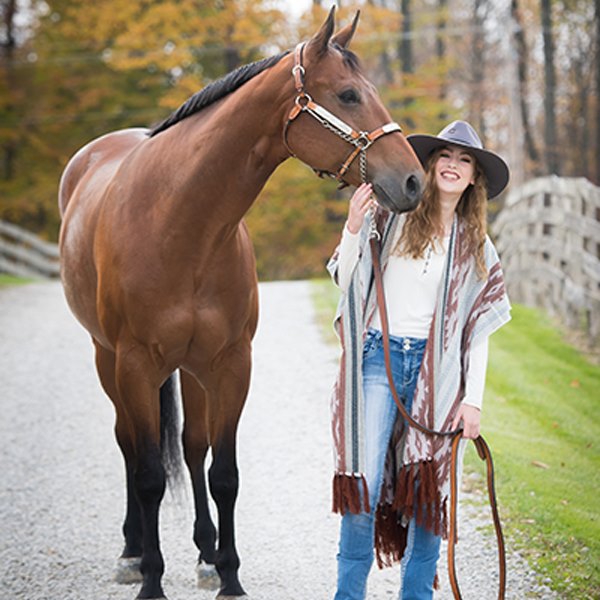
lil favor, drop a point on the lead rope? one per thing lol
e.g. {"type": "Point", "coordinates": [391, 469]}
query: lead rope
{"type": "Point", "coordinates": [480, 444]}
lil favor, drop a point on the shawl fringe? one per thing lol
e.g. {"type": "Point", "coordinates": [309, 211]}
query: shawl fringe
{"type": "Point", "coordinates": [391, 539]}
{"type": "Point", "coordinates": [348, 495]}
{"type": "Point", "coordinates": [417, 495]}
{"type": "Point", "coordinates": [390, 536]}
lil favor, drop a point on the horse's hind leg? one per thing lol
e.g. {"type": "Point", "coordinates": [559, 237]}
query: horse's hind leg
{"type": "Point", "coordinates": [128, 568]}
{"type": "Point", "coordinates": [196, 443]}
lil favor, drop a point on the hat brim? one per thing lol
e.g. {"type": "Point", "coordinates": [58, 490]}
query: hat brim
{"type": "Point", "coordinates": [494, 168]}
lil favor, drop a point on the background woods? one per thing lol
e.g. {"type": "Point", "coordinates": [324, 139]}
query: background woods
{"type": "Point", "coordinates": [525, 72]}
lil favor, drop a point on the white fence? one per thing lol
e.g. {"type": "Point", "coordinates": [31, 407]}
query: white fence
{"type": "Point", "coordinates": [24, 254]}
{"type": "Point", "coordinates": [548, 237]}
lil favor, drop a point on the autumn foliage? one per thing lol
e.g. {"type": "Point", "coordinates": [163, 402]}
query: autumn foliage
{"type": "Point", "coordinates": [71, 71]}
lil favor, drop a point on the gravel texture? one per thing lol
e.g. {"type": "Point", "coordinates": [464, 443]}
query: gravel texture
{"type": "Point", "coordinates": [62, 489]}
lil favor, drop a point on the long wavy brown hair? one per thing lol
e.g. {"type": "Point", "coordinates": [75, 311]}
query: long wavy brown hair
{"type": "Point", "coordinates": [422, 226]}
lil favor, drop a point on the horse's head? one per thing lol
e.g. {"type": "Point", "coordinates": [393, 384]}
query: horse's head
{"type": "Point", "coordinates": [340, 127]}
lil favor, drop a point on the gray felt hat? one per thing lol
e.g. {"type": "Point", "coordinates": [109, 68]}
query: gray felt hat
{"type": "Point", "coordinates": [460, 133]}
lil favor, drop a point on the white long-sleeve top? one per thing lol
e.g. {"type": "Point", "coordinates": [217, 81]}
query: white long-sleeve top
{"type": "Point", "coordinates": [411, 288]}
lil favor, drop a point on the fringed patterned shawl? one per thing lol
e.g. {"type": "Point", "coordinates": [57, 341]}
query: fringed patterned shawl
{"type": "Point", "coordinates": [416, 481]}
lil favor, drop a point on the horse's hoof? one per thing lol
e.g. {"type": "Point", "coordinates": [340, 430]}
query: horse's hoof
{"type": "Point", "coordinates": [241, 596]}
{"type": "Point", "coordinates": [208, 578]}
{"type": "Point", "coordinates": [128, 570]}
{"type": "Point", "coordinates": [147, 596]}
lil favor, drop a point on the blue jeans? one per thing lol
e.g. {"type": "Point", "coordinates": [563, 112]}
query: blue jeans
{"type": "Point", "coordinates": [357, 533]}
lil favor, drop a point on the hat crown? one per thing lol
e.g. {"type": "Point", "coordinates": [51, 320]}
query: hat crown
{"type": "Point", "coordinates": [460, 132]}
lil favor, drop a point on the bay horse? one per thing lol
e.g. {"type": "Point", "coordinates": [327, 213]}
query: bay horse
{"type": "Point", "coordinates": [157, 265]}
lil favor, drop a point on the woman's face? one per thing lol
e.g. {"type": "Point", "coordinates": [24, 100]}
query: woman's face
{"type": "Point", "coordinates": [454, 171]}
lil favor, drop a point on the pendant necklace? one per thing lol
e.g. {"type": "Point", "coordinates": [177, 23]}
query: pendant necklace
{"type": "Point", "coordinates": [428, 254]}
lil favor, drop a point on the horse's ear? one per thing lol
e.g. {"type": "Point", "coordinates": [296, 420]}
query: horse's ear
{"type": "Point", "coordinates": [343, 36]}
{"type": "Point", "coordinates": [319, 43]}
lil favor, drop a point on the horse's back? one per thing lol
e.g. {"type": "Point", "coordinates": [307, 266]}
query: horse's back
{"type": "Point", "coordinates": [110, 148]}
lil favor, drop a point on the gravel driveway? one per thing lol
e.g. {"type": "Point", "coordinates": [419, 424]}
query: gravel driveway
{"type": "Point", "coordinates": [62, 490]}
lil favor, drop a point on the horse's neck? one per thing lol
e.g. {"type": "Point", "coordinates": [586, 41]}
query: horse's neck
{"type": "Point", "coordinates": [227, 154]}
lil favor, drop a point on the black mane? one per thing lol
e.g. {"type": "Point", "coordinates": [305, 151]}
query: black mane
{"type": "Point", "coordinates": [350, 59]}
{"type": "Point", "coordinates": [216, 90]}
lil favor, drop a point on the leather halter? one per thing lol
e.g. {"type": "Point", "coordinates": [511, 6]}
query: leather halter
{"type": "Point", "coordinates": [480, 444]}
{"type": "Point", "coordinates": [361, 140]}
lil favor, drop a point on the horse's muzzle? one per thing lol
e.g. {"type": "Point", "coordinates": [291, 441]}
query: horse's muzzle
{"type": "Point", "coordinates": [399, 194]}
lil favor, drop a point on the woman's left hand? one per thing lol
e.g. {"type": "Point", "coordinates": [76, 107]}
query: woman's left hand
{"type": "Point", "coordinates": [470, 417]}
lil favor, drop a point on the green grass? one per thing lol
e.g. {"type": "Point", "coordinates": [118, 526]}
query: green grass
{"type": "Point", "coordinates": [12, 280]}
{"type": "Point", "coordinates": [325, 297]}
{"type": "Point", "coordinates": [541, 420]}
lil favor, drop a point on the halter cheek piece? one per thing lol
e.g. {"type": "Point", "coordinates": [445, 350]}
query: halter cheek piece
{"type": "Point", "coordinates": [361, 140]}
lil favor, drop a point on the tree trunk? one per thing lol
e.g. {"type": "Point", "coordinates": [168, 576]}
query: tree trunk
{"type": "Point", "coordinates": [232, 58]}
{"type": "Point", "coordinates": [9, 8]}
{"type": "Point", "coordinates": [550, 140]}
{"type": "Point", "coordinates": [477, 103]}
{"type": "Point", "coordinates": [8, 45]}
{"type": "Point", "coordinates": [385, 61]}
{"type": "Point", "coordinates": [581, 129]}
{"type": "Point", "coordinates": [405, 50]}
{"type": "Point", "coordinates": [440, 51]}
{"type": "Point", "coordinates": [386, 67]}
{"type": "Point", "coordinates": [523, 82]}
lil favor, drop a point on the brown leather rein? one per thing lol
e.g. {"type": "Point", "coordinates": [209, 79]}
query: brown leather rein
{"type": "Point", "coordinates": [361, 140]}
{"type": "Point", "coordinates": [482, 448]}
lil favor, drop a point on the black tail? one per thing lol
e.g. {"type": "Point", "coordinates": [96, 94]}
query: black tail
{"type": "Point", "coordinates": [170, 438]}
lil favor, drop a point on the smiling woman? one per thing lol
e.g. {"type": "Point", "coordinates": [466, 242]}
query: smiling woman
{"type": "Point", "coordinates": [438, 335]}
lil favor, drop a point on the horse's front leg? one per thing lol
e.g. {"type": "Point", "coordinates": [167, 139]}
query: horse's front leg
{"type": "Point", "coordinates": [138, 386]}
{"type": "Point", "coordinates": [128, 567]}
{"type": "Point", "coordinates": [195, 444]}
{"type": "Point", "coordinates": [226, 400]}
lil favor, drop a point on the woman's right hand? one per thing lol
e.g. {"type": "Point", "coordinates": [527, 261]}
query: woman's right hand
{"type": "Point", "coordinates": [360, 203]}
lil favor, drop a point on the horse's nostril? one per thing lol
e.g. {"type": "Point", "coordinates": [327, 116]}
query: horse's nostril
{"type": "Point", "coordinates": [412, 187]}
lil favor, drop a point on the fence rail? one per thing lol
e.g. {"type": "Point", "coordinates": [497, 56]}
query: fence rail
{"type": "Point", "coordinates": [548, 237]}
{"type": "Point", "coordinates": [26, 255]}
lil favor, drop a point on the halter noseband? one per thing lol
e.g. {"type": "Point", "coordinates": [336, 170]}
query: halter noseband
{"type": "Point", "coordinates": [361, 140]}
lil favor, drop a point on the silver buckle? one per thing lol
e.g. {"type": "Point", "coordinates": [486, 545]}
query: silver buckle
{"type": "Point", "coordinates": [406, 344]}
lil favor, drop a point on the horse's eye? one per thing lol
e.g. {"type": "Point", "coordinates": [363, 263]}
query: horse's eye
{"type": "Point", "coordinates": [349, 97]}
